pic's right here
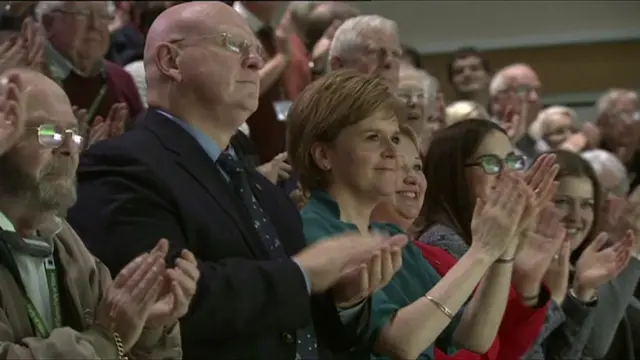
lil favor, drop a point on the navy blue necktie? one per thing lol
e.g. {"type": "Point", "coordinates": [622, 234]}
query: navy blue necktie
{"type": "Point", "coordinates": [306, 346]}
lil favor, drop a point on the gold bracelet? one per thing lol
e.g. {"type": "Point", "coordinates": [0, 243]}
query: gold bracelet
{"type": "Point", "coordinates": [440, 307]}
{"type": "Point", "coordinates": [119, 346]}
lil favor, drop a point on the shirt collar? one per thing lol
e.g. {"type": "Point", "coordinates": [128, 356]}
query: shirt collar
{"type": "Point", "coordinates": [60, 67]}
{"type": "Point", "coordinates": [47, 230]}
{"type": "Point", "coordinates": [210, 147]}
{"type": "Point", "coordinates": [254, 23]}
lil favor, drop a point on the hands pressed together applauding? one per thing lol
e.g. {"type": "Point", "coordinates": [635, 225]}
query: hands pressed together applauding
{"type": "Point", "coordinates": [146, 293]}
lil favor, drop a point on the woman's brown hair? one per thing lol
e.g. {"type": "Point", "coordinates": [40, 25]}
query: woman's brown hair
{"type": "Point", "coordinates": [573, 165]}
{"type": "Point", "coordinates": [448, 199]}
{"type": "Point", "coordinates": [324, 109]}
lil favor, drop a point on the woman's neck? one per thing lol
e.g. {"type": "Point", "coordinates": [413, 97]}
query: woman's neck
{"type": "Point", "coordinates": [354, 208]}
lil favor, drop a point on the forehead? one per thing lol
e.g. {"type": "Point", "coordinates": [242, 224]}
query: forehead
{"type": "Point", "coordinates": [558, 119]}
{"type": "Point", "coordinates": [407, 149]}
{"type": "Point", "coordinates": [524, 76]}
{"type": "Point", "coordinates": [379, 120]}
{"type": "Point", "coordinates": [575, 187]}
{"type": "Point", "coordinates": [51, 106]}
{"type": "Point", "coordinates": [495, 143]}
{"type": "Point", "coordinates": [380, 36]}
{"type": "Point", "coordinates": [467, 61]}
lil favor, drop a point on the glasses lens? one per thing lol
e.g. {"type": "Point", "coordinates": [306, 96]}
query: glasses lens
{"type": "Point", "coordinates": [516, 162]}
{"type": "Point", "coordinates": [49, 137]}
{"type": "Point", "coordinates": [491, 164]}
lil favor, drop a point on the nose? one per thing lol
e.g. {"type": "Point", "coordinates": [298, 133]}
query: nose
{"type": "Point", "coordinates": [253, 61]}
{"type": "Point", "coordinates": [390, 151]}
{"type": "Point", "coordinates": [410, 179]}
{"type": "Point", "coordinates": [533, 96]}
{"type": "Point", "coordinates": [67, 147]}
{"type": "Point", "coordinates": [573, 215]}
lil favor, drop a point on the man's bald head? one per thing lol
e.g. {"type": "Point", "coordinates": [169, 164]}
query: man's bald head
{"type": "Point", "coordinates": [202, 57]}
{"type": "Point", "coordinates": [38, 89]}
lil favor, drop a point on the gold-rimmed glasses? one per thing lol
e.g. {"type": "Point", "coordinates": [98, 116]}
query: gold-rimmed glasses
{"type": "Point", "coordinates": [231, 43]}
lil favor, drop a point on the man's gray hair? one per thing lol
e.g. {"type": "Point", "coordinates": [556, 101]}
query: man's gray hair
{"type": "Point", "coordinates": [430, 83]}
{"type": "Point", "coordinates": [602, 160]}
{"type": "Point", "coordinates": [500, 81]}
{"type": "Point", "coordinates": [607, 101]}
{"type": "Point", "coordinates": [44, 8]}
{"type": "Point", "coordinates": [349, 35]}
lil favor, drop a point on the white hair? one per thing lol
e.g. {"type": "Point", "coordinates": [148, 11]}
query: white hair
{"type": "Point", "coordinates": [501, 79]}
{"type": "Point", "coordinates": [44, 8]}
{"type": "Point", "coordinates": [350, 34]}
{"type": "Point", "coordinates": [537, 128]}
{"type": "Point", "coordinates": [602, 160]}
{"type": "Point", "coordinates": [464, 110]}
{"type": "Point", "coordinates": [607, 101]}
{"type": "Point", "coordinates": [430, 84]}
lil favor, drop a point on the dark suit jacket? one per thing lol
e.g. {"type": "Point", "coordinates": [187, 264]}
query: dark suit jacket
{"type": "Point", "coordinates": [155, 182]}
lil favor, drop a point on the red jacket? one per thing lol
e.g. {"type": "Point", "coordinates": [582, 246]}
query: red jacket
{"type": "Point", "coordinates": [520, 326]}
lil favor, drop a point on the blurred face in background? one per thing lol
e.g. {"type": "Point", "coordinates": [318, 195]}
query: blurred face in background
{"type": "Point", "coordinates": [575, 201]}
{"type": "Point", "coordinates": [379, 54]}
{"type": "Point", "coordinates": [494, 155]}
{"type": "Point", "coordinates": [80, 31]}
{"type": "Point", "coordinates": [363, 158]}
{"type": "Point", "coordinates": [469, 76]}
{"type": "Point", "coordinates": [621, 123]}
{"type": "Point", "coordinates": [557, 128]}
{"type": "Point", "coordinates": [403, 207]}
{"type": "Point", "coordinates": [522, 87]}
{"type": "Point", "coordinates": [418, 91]}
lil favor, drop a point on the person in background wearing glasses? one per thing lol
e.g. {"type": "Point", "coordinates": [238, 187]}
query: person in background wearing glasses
{"type": "Point", "coordinates": [515, 102]}
{"type": "Point", "coordinates": [58, 301]}
{"type": "Point", "coordinates": [262, 294]}
{"type": "Point", "coordinates": [369, 44]}
{"type": "Point", "coordinates": [78, 38]}
{"type": "Point", "coordinates": [462, 166]}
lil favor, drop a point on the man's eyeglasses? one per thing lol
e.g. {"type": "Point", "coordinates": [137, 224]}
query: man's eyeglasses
{"type": "Point", "coordinates": [381, 53]}
{"type": "Point", "coordinates": [234, 45]}
{"type": "Point", "coordinates": [51, 136]}
{"type": "Point", "coordinates": [492, 164]}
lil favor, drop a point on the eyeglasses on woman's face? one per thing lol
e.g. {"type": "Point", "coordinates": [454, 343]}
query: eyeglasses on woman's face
{"type": "Point", "coordinates": [492, 164]}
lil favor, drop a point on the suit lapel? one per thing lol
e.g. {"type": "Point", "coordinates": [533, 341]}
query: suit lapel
{"type": "Point", "coordinates": [191, 157]}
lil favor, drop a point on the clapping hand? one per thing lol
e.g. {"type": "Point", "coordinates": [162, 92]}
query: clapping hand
{"type": "Point", "coordinates": [128, 301]}
{"type": "Point", "coordinates": [493, 227]}
{"type": "Point", "coordinates": [178, 290]}
{"type": "Point", "coordinates": [12, 111]}
{"type": "Point", "coordinates": [102, 129]}
{"type": "Point", "coordinates": [327, 261]}
{"type": "Point", "coordinates": [540, 181]}
{"type": "Point", "coordinates": [276, 169]}
{"type": "Point", "coordinates": [536, 251]}
{"type": "Point", "coordinates": [599, 264]}
{"type": "Point", "coordinates": [366, 278]}
{"type": "Point", "coordinates": [557, 275]}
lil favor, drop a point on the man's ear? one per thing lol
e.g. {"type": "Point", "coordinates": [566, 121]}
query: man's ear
{"type": "Point", "coordinates": [167, 61]}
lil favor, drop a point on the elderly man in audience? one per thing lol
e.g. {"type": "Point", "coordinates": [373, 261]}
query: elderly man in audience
{"type": "Point", "coordinates": [618, 115]}
{"type": "Point", "coordinates": [77, 39]}
{"type": "Point", "coordinates": [262, 294]}
{"type": "Point", "coordinates": [419, 92]}
{"type": "Point", "coordinates": [553, 127]}
{"type": "Point", "coordinates": [469, 75]}
{"type": "Point", "coordinates": [58, 300]}
{"type": "Point", "coordinates": [369, 44]}
{"type": "Point", "coordinates": [610, 170]}
{"type": "Point", "coordinates": [515, 103]}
